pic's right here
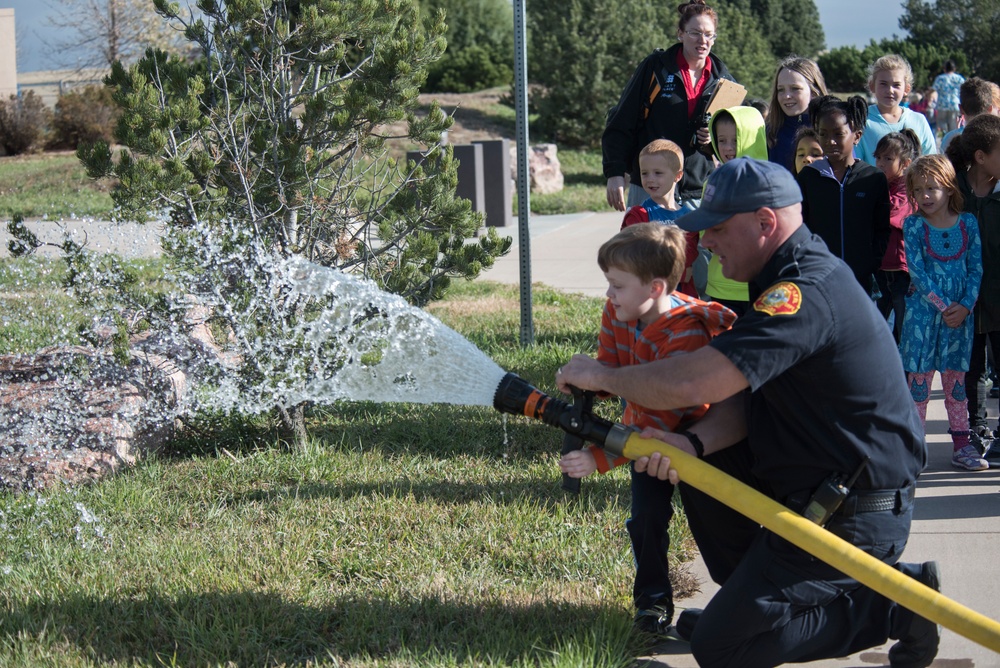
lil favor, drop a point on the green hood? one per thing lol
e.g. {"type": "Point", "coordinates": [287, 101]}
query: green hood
{"type": "Point", "coordinates": [751, 138]}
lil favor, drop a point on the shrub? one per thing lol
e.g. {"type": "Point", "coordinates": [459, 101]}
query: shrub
{"type": "Point", "coordinates": [468, 70]}
{"type": "Point", "coordinates": [480, 53]}
{"type": "Point", "coordinates": [582, 54]}
{"type": "Point", "coordinates": [844, 69]}
{"type": "Point", "coordinates": [84, 116]}
{"type": "Point", "coordinates": [24, 122]}
{"type": "Point", "coordinates": [276, 156]}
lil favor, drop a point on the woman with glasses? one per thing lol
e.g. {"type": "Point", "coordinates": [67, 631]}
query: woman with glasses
{"type": "Point", "coordinates": [666, 99]}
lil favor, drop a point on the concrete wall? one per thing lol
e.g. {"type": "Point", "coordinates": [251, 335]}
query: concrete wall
{"type": "Point", "coordinates": [50, 84]}
{"type": "Point", "coordinates": [8, 54]}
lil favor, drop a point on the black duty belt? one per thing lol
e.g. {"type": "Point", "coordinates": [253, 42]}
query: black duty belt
{"type": "Point", "coordinates": [876, 501]}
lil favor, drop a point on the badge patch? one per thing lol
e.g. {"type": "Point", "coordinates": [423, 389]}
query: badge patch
{"type": "Point", "coordinates": [780, 299]}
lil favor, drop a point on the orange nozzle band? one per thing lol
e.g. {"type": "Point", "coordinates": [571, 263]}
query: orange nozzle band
{"type": "Point", "coordinates": [531, 404]}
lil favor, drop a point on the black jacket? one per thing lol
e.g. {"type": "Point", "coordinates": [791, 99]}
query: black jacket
{"type": "Point", "coordinates": [626, 133]}
{"type": "Point", "coordinates": [853, 218]}
{"type": "Point", "coordinates": [987, 212]}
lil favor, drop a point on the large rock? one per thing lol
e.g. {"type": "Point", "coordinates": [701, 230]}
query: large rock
{"type": "Point", "coordinates": [543, 167]}
{"type": "Point", "coordinates": [73, 414]}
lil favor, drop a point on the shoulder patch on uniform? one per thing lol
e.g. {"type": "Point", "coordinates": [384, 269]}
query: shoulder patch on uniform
{"type": "Point", "coordinates": [780, 299]}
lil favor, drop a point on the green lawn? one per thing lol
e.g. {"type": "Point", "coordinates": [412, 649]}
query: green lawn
{"type": "Point", "coordinates": [584, 186]}
{"type": "Point", "coordinates": [52, 185]}
{"type": "Point", "coordinates": [55, 186]}
{"type": "Point", "coordinates": [404, 535]}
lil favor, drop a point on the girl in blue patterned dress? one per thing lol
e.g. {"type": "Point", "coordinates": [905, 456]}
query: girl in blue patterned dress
{"type": "Point", "coordinates": [944, 258]}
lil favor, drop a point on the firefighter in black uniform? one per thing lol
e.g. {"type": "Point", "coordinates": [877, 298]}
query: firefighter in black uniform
{"type": "Point", "coordinates": [812, 378]}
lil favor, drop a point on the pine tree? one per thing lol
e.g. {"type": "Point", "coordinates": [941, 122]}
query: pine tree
{"type": "Point", "coordinates": [790, 26]}
{"type": "Point", "coordinates": [273, 146]}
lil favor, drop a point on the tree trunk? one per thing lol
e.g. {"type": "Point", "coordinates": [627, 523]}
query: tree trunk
{"type": "Point", "coordinates": [294, 421]}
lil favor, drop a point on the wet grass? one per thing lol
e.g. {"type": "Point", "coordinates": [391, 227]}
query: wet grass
{"type": "Point", "coordinates": [36, 312]}
{"type": "Point", "coordinates": [404, 535]}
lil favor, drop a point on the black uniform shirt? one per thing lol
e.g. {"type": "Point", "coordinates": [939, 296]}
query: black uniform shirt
{"type": "Point", "coordinates": [827, 383]}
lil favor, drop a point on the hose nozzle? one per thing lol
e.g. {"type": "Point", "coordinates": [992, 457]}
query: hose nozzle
{"type": "Point", "coordinates": [518, 397]}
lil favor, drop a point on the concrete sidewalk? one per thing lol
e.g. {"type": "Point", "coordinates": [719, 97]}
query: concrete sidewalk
{"type": "Point", "coordinates": [957, 513]}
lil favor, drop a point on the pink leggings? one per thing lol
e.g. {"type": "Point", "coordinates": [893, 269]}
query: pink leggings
{"type": "Point", "coordinates": [955, 402]}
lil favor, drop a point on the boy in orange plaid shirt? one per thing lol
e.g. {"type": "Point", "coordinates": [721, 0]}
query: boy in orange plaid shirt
{"type": "Point", "coordinates": [645, 319]}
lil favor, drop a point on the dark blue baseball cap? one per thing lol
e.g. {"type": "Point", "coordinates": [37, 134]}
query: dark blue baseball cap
{"type": "Point", "coordinates": [739, 186]}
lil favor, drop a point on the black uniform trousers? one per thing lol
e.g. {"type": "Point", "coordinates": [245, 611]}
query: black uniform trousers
{"type": "Point", "coordinates": [777, 603]}
{"type": "Point", "coordinates": [975, 379]}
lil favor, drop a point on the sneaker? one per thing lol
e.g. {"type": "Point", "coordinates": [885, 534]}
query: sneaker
{"type": "Point", "coordinates": [654, 621]}
{"type": "Point", "coordinates": [918, 647]}
{"type": "Point", "coordinates": [982, 438]}
{"type": "Point", "coordinates": [968, 458]}
{"type": "Point", "coordinates": [992, 453]}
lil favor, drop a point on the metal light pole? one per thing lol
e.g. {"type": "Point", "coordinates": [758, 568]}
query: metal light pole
{"type": "Point", "coordinates": [523, 182]}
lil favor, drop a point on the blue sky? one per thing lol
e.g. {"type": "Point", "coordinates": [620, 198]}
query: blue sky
{"type": "Point", "coordinates": [856, 22]}
{"type": "Point", "coordinates": [839, 19]}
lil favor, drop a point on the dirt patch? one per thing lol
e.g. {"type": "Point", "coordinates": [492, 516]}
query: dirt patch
{"type": "Point", "coordinates": [477, 116]}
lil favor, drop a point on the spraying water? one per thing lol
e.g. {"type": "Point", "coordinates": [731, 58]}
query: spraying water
{"type": "Point", "coordinates": [392, 351]}
{"type": "Point", "coordinates": [345, 340]}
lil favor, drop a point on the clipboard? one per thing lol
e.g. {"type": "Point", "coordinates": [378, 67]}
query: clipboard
{"type": "Point", "coordinates": [726, 94]}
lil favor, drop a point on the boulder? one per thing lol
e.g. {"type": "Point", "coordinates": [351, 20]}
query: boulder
{"type": "Point", "coordinates": [73, 414]}
{"type": "Point", "coordinates": [543, 167]}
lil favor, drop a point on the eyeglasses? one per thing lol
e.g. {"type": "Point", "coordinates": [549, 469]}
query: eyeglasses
{"type": "Point", "coordinates": [697, 34]}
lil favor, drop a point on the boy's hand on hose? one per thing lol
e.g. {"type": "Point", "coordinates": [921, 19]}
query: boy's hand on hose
{"type": "Point", "coordinates": [578, 464]}
{"type": "Point", "coordinates": [657, 466]}
{"type": "Point", "coordinates": [955, 315]}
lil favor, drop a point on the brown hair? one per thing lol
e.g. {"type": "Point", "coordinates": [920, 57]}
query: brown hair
{"type": "Point", "coordinates": [976, 97]}
{"type": "Point", "coordinates": [668, 149]}
{"type": "Point", "coordinates": [981, 134]}
{"type": "Point", "coordinates": [648, 251]}
{"type": "Point", "coordinates": [817, 88]}
{"type": "Point", "coordinates": [695, 8]}
{"type": "Point", "coordinates": [939, 168]}
{"type": "Point", "coordinates": [904, 145]}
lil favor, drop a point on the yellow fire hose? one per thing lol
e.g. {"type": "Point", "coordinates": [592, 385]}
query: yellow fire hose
{"type": "Point", "coordinates": [822, 544]}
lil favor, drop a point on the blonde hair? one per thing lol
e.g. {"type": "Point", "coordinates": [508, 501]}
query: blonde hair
{"type": "Point", "coordinates": [889, 63]}
{"type": "Point", "coordinates": [817, 88]}
{"type": "Point", "coordinates": [939, 168]}
{"type": "Point", "coordinates": [648, 251]}
{"type": "Point", "coordinates": [668, 149]}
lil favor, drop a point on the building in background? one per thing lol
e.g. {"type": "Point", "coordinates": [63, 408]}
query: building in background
{"type": "Point", "coordinates": [8, 54]}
